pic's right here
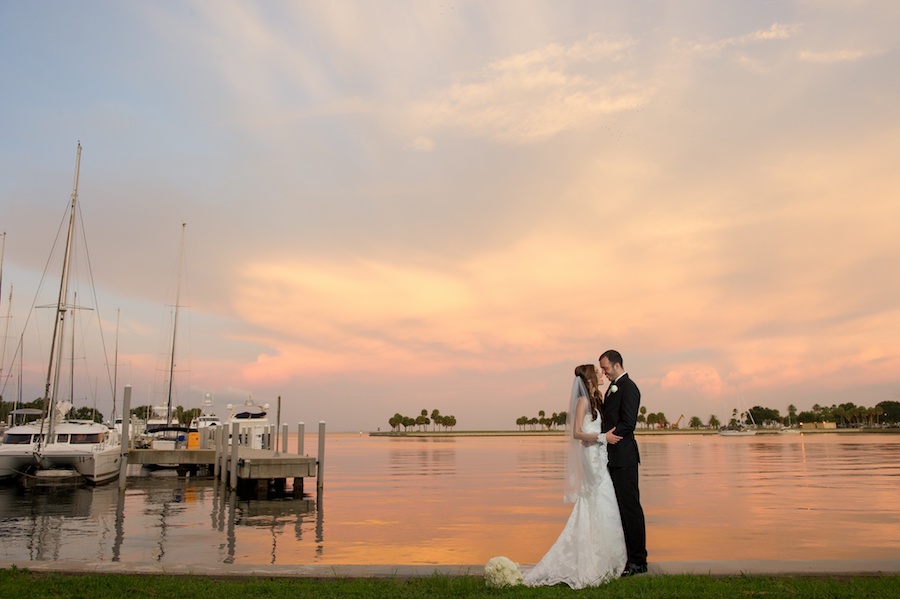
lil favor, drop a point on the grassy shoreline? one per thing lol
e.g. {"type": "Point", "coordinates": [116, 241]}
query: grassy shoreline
{"type": "Point", "coordinates": [23, 583]}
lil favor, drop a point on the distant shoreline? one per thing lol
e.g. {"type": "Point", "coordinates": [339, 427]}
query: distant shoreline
{"type": "Point", "coordinates": [638, 432]}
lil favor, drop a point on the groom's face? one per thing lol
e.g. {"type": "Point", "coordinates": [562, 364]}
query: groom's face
{"type": "Point", "coordinates": [609, 369]}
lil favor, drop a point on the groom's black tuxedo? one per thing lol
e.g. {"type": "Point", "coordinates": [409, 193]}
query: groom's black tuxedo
{"type": "Point", "coordinates": [620, 410]}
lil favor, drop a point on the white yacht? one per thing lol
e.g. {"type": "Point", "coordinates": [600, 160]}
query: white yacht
{"type": "Point", "coordinates": [163, 431]}
{"type": "Point", "coordinates": [17, 449]}
{"type": "Point", "coordinates": [207, 417]}
{"type": "Point", "coordinates": [90, 448]}
{"type": "Point", "coordinates": [253, 422]}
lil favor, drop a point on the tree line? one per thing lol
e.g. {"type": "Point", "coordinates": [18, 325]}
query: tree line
{"type": "Point", "coordinates": [885, 413]}
{"type": "Point", "coordinates": [182, 415]}
{"type": "Point", "coordinates": [422, 421]}
{"type": "Point", "coordinates": [82, 413]}
{"type": "Point", "coordinates": [542, 421]}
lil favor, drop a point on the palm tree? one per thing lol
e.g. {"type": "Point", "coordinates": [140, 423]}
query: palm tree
{"type": "Point", "coordinates": [642, 416]}
{"type": "Point", "coordinates": [713, 421]}
{"type": "Point", "coordinates": [696, 422]}
{"type": "Point", "coordinates": [561, 418]}
{"type": "Point", "coordinates": [792, 412]}
{"type": "Point", "coordinates": [435, 414]}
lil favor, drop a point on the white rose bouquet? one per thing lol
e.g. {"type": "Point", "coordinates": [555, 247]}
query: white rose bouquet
{"type": "Point", "coordinates": [502, 572]}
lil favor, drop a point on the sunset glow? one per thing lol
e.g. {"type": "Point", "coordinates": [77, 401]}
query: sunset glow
{"type": "Point", "coordinates": [398, 206]}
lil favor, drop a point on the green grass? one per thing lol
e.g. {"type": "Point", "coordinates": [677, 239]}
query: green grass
{"type": "Point", "coordinates": [22, 583]}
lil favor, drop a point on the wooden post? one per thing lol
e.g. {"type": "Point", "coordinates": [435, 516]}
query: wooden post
{"type": "Point", "coordinates": [277, 420]}
{"type": "Point", "coordinates": [126, 434]}
{"type": "Point", "coordinates": [217, 457]}
{"type": "Point", "coordinates": [284, 429]}
{"type": "Point", "coordinates": [321, 457]}
{"type": "Point", "coordinates": [223, 469]}
{"type": "Point", "coordinates": [298, 482]}
{"type": "Point", "coordinates": [233, 479]}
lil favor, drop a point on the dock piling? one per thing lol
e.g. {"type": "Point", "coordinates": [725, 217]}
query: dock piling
{"type": "Point", "coordinates": [235, 433]}
{"type": "Point", "coordinates": [321, 457]}
{"type": "Point", "coordinates": [126, 436]}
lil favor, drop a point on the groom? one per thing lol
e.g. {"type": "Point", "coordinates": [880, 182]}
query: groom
{"type": "Point", "coordinates": [620, 410]}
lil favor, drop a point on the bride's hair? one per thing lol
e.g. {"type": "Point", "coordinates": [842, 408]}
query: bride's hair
{"type": "Point", "coordinates": [588, 374]}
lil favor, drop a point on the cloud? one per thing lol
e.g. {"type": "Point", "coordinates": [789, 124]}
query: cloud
{"type": "Point", "coordinates": [777, 31]}
{"type": "Point", "coordinates": [535, 95]}
{"type": "Point", "coordinates": [693, 378]}
{"type": "Point", "coordinates": [421, 144]}
{"type": "Point", "coordinates": [831, 56]}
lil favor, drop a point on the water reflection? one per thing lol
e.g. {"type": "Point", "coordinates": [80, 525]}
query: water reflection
{"type": "Point", "coordinates": [422, 457]}
{"type": "Point", "coordinates": [466, 500]}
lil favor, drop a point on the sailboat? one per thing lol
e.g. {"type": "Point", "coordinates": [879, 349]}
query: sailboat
{"type": "Point", "coordinates": [20, 438]}
{"type": "Point", "coordinates": [90, 449]}
{"type": "Point", "coordinates": [789, 429]}
{"type": "Point", "coordinates": [163, 431]}
{"type": "Point", "coordinates": [740, 429]}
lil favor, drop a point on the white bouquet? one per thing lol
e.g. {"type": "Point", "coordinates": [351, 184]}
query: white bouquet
{"type": "Point", "coordinates": [502, 572]}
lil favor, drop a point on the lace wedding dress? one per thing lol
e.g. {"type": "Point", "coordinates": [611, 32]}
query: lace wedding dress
{"type": "Point", "coordinates": [591, 548]}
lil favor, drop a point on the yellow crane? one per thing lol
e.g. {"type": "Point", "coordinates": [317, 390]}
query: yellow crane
{"type": "Point", "coordinates": [677, 422]}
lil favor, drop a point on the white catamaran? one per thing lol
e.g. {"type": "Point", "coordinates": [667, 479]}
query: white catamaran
{"type": "Point", "coordinates": [89, 448]}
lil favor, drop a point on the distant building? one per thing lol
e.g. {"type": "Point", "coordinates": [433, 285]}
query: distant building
{"type": "Point", "coordinates": [810, 425]}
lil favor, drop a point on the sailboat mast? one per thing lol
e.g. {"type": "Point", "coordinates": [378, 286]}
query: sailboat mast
{"type": "Point", "coordinates": [175, 328]}
{"type": "Point", "coordinates": [59, 322]}
{"type": "Point", "coordinates": [5, 333]}
{"type": "Point", "coordinates": [116, 367]}
{"type": "Point", "coordinates": [2, 254]}
{"type": "Point", "coordinates": [6, 327]}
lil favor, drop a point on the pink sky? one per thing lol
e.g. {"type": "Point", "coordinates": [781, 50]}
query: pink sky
{"type": "Point", "coordinates": [403, 206]}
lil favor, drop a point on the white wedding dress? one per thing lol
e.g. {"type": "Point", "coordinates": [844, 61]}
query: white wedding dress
{"type": "Point", "coordinates": [591, 548]}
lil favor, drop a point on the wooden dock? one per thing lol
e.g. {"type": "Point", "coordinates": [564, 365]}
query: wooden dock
{"type": "Point", "coordinates": [257, 471]}
{"type": "Point", "coordinates": [224, 452]}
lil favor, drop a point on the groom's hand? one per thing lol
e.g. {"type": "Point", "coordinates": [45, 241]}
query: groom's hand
{"type": "Point", "coordinates": [611, 437]}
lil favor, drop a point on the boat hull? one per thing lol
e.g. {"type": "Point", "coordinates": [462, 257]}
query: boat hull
{"type": "Point", "coordinates": [17, 449]}
{"type": "Point", "coordinates": [91, 449]}
{"type": "Point", "coordinates": [96, 466]}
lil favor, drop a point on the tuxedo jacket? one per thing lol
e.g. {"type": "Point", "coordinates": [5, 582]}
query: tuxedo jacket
{"type": "Point", "coordinates": [620, 411]}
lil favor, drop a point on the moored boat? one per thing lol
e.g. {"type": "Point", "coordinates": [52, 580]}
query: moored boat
{"type": "Point", "coordinates": [207, 417]}
{"type": "Point", "coordinates": [92, 449]}
{"type": "Point", "coordinates": [17, 449]}
{"type": "Point", "coordinates": [253, 422]}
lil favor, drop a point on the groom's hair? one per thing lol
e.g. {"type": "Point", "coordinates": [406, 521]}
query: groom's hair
{"type": "Point", "coordinates": [613, 356]}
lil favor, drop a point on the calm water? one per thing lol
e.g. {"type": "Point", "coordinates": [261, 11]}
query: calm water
{"type": "Point", "coordinates": [465, 500]}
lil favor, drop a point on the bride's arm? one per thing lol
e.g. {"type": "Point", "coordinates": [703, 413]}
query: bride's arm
{"type": "Point", "coordinates": [580, 411]}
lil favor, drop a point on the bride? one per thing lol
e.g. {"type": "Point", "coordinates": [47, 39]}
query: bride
{"type": "Point", "coordinates": [591, 548]}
